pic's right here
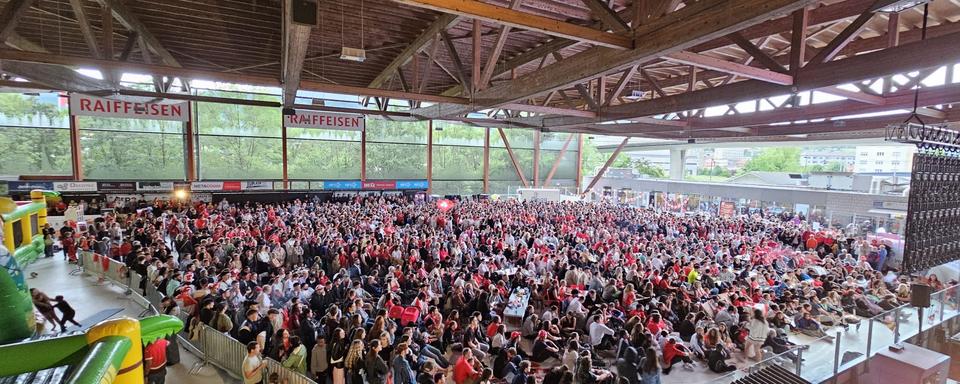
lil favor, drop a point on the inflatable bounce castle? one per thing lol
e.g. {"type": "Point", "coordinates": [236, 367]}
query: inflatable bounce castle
{"type": "Point", "coordinates": [109, 352]}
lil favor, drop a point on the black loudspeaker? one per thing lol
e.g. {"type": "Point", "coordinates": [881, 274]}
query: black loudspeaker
{"type": "Point", "coordinates": [920, 295]}
{"type": "Point", "coordinates": [304, 12]}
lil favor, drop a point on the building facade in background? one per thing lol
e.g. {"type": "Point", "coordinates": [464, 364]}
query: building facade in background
{"type": "Point", "coordinates": [884, 159]}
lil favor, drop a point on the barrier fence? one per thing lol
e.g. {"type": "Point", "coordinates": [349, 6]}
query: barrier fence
{"type": "Point", "coordinates": [210, 346]}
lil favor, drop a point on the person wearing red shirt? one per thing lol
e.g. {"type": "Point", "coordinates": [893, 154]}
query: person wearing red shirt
{"type": "Point", "coordinates": [492, 328]}
{"type": "Point", "coordinates": [155, 361]}
{"type": "Point", "coordinates": [674, 353]}
{"type": "Point", "coordinates": [465, 371]}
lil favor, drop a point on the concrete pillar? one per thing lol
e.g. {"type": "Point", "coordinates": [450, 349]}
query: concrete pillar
{"type": "Point", "coordinates": [677, 161]}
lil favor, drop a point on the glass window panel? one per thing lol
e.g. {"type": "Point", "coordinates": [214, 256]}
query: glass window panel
{"type": "Point", "coordinates": [555, 140]}
{"type": "Point", "coordinates": [458, 187]}
{"type": "Point", "coordinates": [323, 134]}
{"type": "Point", "coordinates": [500, 187]}
{"type": "Point", "coordinates": [34, 151]}
{"type": "Point", "coordinates": [43, 110]}
{"type": "Point", "coordinates": [518, 138]}
{"type": "Point", "coordinates": [130, 125]}
{"type": "Point", "coordinates": [131, 155]}
{"type": "Point", "coordinates": [386, 131]}
{"type": "Point", "coordinates": [240, 158]}
{"type": "Point", "coordinates": [318, 160]}
{"type": "Point", "coordinates": [451, 133]}
{"type": "Point", "coordinates": [238, 120]}
{"type": "Point", "coordinates": [501, 167]}
{"type": "Point", "coordinates": [456, 162]}
{"type": "Point", "coordinates": [567, 168]}
{"type": "Point", "coordinates": [396, 161]}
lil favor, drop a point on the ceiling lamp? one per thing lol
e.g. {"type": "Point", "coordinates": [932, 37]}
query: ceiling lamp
{"type": "Point", "coordinates": [896, 6]}
{"type": "Point", "coordinates": [352, 54]}
{"type": "Point", "coordinates": [635, 95]}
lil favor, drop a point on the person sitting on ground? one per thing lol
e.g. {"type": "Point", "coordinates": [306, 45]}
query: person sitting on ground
{"type": "Point", "coordinates": [675, 353]}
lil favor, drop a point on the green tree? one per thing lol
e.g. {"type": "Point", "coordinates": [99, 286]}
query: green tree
{"type": "Point", "coordinates": [775, 160]}
{"type": "Point", "coordinates": [645, 168]}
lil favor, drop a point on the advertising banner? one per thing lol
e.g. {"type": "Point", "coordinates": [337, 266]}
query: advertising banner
{"type": "Point", "coordinates": [341, 185]}
{"type": "Point", "coordinates": [75, 186]}
{"type": "Point", "coordinates": [155, 186]}
{"type": "Point", "coordinates": [117, 186]}
{"type": "Point", "coordinates": [258, 185]}
{"type": "Point", "coordinates": [324, 120]}
{"type": "Point", "coordinates": [727, 209]}
{"type": "Point", "coordinates": [231, 185]}
{"type": "Point", "coordinates": [206, 186]}
{"type": "Point", "coordinates": [84, 105]}
{"type": "Point", "coordinates": [380, 184]}
{"type": "Point", "coordinates": [27, 186]}
{"type": "Point", "coordinates": [413, 184]}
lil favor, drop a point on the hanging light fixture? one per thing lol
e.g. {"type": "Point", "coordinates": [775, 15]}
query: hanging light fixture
{"type": "Point", "coordinates": [914, 130]}
{"type": "Point", "coordinates": [347, 53]}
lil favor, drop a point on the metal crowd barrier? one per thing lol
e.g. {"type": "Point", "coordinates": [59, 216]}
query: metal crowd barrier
{"type": "Point", "coordinates": [211, 347]}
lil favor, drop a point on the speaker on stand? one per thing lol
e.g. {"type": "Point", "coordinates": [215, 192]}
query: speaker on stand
{"type": "Point", "coordinates": [920, 298]}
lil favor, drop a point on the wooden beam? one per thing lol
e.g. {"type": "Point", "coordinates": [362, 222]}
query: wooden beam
{"type": "Point", "coordinates": [930, 53]}
{"type": "Point", "coordinates": [513, 159]}
{"type": "Point", "coordinates": [798, 40]}
{"type": "Point", "coordinates": [491, 65]}
{"type": "Point", "coordinates": [297, 42]}
{"type": "Point", "coordinates": [613, 156]}
{"type": "Point", "coordinates": [442, 23]}
{"type": "Point", "coordinates": [431, 54]}
{"type": "Point", "coordinates": [694, 24]}
{"type": "Point", "coordinates": [621, 84]}
{"type": "Point", "coordinates": [579, 175]}
{"type": "Point", "coordinates": [549, 110]}
{"type": "Point", "coordinates": [85, 28]}
{"type": "Point", "coordinates": [536, 158]}
{"type": "Point", "coordinates": [11, 15]}
{"type": "Point", "coordinates": [610, 19]}
{"type": "Point", "coordinates": [854, 95]}
{"type": "Point", "coordinates": [556, 163]}
{"type": "Point", "coordinates": [131, 22]}
{"type": "Point", "coordinates": [506, 16]}
{"type": "Point", "coordinates": [841, 40]}
{"type": "Point", "coordinates": [475, 58]}
{"type": "Point", "coordinates": [52, 76]}
{"type": "Point", "coordinates": [756, 53]}
{"type": "Point", "coordinates": [128, 46]}
{"type": "Point", "coordinates": [457, 63]}
{"type": "Point", "coordinates": [704, 61]}
{"type": "Point", "coordinates": [653, 82]}
{"type": "Point", "coordinates": [429, 156]}
{"type": "Point", "coordinates": [227, 77]}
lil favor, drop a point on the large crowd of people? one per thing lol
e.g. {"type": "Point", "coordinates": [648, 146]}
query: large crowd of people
{"type": "Point", "coordinates": [389, 289]}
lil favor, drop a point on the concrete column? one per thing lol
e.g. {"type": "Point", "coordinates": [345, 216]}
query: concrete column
{"type": "Point", "coordinates": [677, 161]}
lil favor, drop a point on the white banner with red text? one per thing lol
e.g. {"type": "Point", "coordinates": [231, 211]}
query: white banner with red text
{"type": "Point", "coordinates": [85, 105]}
{"type": "Point", "coordinates": [311, 119]}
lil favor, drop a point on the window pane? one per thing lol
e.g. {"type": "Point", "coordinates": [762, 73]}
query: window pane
{"type": "Point", "coordinates": [323, 134]}
{"type": "Point", "coordinates": [504, 187]}
{"type": "Point", "coordinates": [130, 155]}
{"type": "Point", "coordinates": [501, 167]}
{"type": "Point", "coordinates": [396, 161]}
{"type": "Point", "coordinates": [238, 120]}
{"type": "Point", "coordinates": [242, 158]}
{"type": "Point", "coordinates": [456, 163]}
{"type": "Point", "coordinates": [45, 110]}
{"type": "Point", "coordinates": [131, 125]}
{"type": "Point", "coordinates": [386, 131]}
{"type": "Point", "coordinates": [317, 159]}
{"type": "Point", "coordinates": [459, 187]}
{"type": "Point", "coordinates": [450, 133]}
{"type": "Point", "coordinates": [565, 170]}
{"type": "Point", "coordinates": [555, 140]}
{"type": "Point", "coordinates": [34, 151]}
{"type": "Point", "coordinates": [518, 138]}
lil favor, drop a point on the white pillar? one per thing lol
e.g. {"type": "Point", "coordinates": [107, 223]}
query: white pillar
{"type": "Point", "coordinates": [677, 163]}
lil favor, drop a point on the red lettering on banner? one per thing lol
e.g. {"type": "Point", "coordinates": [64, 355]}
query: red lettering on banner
{"type": "Point", "coordinates": [175, 110]}
{"type": "Point", "coordinates": [84, 104]}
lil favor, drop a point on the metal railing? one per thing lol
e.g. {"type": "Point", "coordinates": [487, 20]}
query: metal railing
{"type": "Point", "coordinates": [210, 346]}
{"type": "Point", "coordinates": [822, 358]}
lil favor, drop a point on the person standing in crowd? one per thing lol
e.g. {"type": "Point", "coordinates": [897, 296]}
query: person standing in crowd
{"type": "Point", "coordinates": [155, 361]}
{"type": "Point", "coordinates": [253, 365]}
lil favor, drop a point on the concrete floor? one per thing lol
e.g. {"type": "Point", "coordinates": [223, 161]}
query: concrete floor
{"type": "Point", "coordinates": [89, 297]}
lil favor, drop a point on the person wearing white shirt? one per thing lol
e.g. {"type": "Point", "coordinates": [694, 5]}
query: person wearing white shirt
{"type": "Point", "coordinates": [599, 331]}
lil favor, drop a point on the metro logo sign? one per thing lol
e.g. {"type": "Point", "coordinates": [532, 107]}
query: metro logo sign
{"type": "Point", "coordinates": [390, 184]}
{"type": "Point", "coordinates": [83, 105]}
{"type": "Point", "coordinates": [341, 121]}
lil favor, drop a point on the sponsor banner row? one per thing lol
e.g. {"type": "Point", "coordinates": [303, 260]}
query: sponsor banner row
{"type": "Point", "coordinates": [215, 186]}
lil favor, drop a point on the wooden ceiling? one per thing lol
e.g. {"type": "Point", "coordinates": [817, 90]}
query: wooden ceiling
{"type": "Point", "coordinates": [245, 39]}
